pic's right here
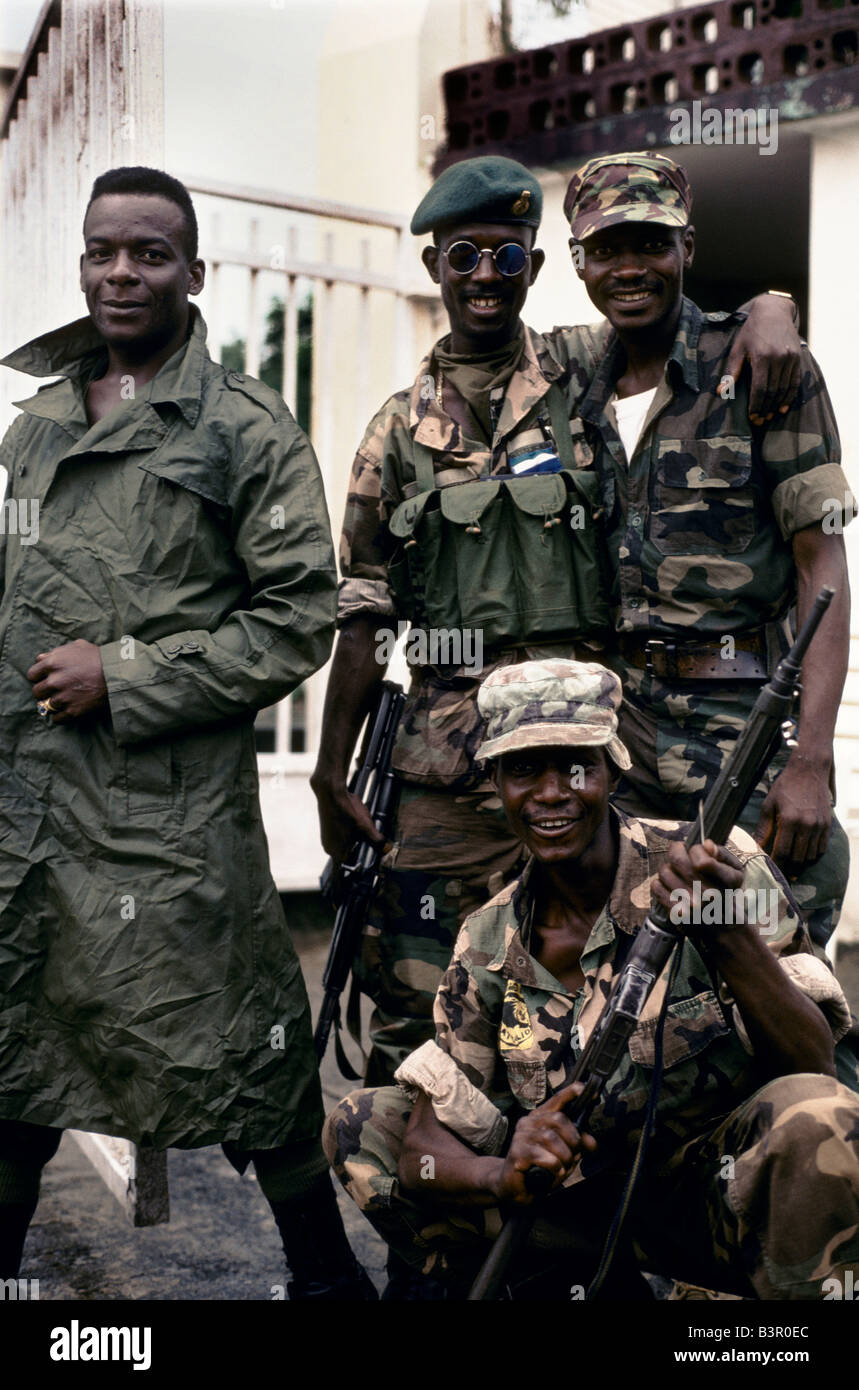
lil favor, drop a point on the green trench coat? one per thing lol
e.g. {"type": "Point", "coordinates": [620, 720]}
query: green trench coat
{"type": "Point", "coordinates": [145, 964]}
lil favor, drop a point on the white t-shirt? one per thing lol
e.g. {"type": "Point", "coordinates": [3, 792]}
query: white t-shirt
{"type": "Point", "coordinates": [630, 414]}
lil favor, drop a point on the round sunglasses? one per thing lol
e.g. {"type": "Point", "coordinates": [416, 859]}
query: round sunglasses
{"type": "Point", "coordinates": [510, 259]}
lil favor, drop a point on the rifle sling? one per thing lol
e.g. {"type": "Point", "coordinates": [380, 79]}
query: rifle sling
{"type": "Point", "coordinates": [353, 1026]}
{"type": "Point", "coordinates": [612, 1240]}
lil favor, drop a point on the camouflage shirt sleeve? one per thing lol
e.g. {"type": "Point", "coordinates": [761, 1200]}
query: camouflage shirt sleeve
{"type": "Point", "coordinates": [801, 453]}
{"type": "Point", "coordinates": [581, 346]}
{"type": "Point", "coordinates": [467, 1015]}
{"type": "Point", "coordinates": [364, 540]}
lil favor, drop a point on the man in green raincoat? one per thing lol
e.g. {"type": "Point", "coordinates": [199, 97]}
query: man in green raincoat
{"type": "Point", "coordinates": [172, 573]}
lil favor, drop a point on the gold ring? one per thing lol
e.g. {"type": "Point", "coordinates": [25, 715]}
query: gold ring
{"type": "Point", "coordinates": [46, 707]}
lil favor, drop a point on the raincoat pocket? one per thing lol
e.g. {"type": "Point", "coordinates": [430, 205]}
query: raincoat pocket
{"type": "Point", "coordinates": [147, 789]}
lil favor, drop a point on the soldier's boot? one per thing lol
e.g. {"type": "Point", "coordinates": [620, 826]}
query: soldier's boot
{"type": "Point", "coordinates": [319, 1256]}
{"type": "Point", "coordinates": [24, 1151]}
{"type": "Point", "coordinates": [15, 1218]}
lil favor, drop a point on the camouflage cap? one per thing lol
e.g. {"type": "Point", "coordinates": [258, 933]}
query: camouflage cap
{"type": "Point", "coordinates": [631, 187]}
{"type": "Point", "coordinates": [487, 189]}
{"type": "Point", "coordinates": [551, 704]}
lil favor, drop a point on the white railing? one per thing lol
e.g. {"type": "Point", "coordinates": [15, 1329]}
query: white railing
{"type": "Point", "coordinates": [359, 269]}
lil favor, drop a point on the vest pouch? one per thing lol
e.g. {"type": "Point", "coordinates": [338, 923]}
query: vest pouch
{"type": "Point", "coordinates": [446, 554]}
{"type": "Point", "coordinates": [473, 562]}
{"type": "Point", "coordinates": [406, 568]}
{"type": "Point", "coordinates": [554, 554]}
{"type": "Point", "coordinates": [514, 558]}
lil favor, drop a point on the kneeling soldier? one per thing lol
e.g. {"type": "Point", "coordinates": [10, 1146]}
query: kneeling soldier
{"type": "Point", "coordinates": [751, 1121]}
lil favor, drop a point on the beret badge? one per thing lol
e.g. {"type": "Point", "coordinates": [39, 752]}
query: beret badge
{"type": "Point", "coordinates": [522, 203]}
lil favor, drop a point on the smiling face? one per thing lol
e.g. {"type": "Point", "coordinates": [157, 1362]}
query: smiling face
{"type": "Point", "coordinates": [633, 273]}
{"type": "Point", "coordinates": [556, 799]}
{"type": "Point", "coordinates": [135, 273]}
{"type": "Point", "coordinates": [484, 305]}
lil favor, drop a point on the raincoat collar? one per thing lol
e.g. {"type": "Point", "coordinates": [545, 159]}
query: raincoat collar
{"type": "Point", "coordinates": [75, 350]}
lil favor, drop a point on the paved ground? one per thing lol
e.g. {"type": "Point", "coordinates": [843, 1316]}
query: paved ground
{"type": "Point", "coordinates": [220, 1242]}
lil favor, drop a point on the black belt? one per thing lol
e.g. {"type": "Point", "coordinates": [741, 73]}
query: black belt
{"type": "Point", "coordinates": [673, 660]}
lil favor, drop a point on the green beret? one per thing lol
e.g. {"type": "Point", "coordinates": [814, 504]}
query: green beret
{"type": "Point", "coordinates": [488, 189]}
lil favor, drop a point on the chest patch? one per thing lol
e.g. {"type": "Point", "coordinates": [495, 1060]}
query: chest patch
{"type": "Point", "coordinates": [516, 1031]}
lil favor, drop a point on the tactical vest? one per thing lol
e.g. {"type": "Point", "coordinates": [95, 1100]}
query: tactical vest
{"type": "Point", "coordinates": [515, 557]}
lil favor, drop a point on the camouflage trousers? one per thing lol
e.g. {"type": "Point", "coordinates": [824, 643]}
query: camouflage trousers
{"type": "Point", "coordinates": [764, 1205]}
{"type": "Point", "coordinates": [452, 852]}
{"type": "Point", "coordinates": [678, 737]}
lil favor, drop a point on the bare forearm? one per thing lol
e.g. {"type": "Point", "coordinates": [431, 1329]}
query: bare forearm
{"type": "Point", "coordinates": [787, 1031]}
{"type": "Point", "coordinates": [821, 560]}
{"type": "Point", "coordinates": [437, 1165]}
{"type": "Point", "coordinates": [353, 680]}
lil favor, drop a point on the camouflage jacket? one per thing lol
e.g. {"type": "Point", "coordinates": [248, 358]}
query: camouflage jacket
{"type": "Point", "coordinates": [700, 519]}
{"type": "Point", "coordinates": [441, 726]}
{"type": "Point", "coordinates": [383, 474]}
{"type": "Point", "coordinates": [515, 1032]}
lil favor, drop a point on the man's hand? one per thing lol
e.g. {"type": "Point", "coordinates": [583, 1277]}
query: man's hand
{"type": "Point", "coordinates": [770, 342]}
{"type": "Point", "coordinates": [342, 818]}
{"type": "Point", "coordinates": [796, 817]}
{"type": "Point", "coordinates": [787, 1031]}
{"type": "Point", "coordinates": [709, 864]}
{"type": "Point", "coordinates": [544, 1138]}
{"type": "Point", "coordinates": [71, 677]}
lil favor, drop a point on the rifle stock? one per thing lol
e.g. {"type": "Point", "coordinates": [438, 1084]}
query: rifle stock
{"type": "Point", "coordinates": [656, 938]}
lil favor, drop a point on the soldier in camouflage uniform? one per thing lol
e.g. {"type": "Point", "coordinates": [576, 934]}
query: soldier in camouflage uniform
{"type": "Point", "coordinates": [751, 1120]}
{"type": "Point", "coordinates": [716, 528]}
{"type": "Point", "coordinates": [492, 402]}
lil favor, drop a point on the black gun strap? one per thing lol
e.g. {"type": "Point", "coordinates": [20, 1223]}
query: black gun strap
{"type": "Point", "coordinates": [353, 1012]}
{"type": "Point", "coordinates": [353, 1027]}
{"type": "Point", "coordinates": [346, 1068]}
{"type": "Point", "coordinates": [613, 1238]}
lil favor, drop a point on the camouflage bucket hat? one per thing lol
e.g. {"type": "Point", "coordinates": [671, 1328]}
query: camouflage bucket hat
{"type": "Point", "coordinates": [631, 187]}
{"type": "Point", "coordinates": [551, 704]}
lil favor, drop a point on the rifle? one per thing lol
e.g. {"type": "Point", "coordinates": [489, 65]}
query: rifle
{"type": "Point", "coordinates": [351, 888]}
{"type": "Point", "coordinates": [656, 939]}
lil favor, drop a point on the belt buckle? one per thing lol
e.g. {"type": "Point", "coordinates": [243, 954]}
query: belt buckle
{"type": "Point", "coordinates": [665, 653]}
